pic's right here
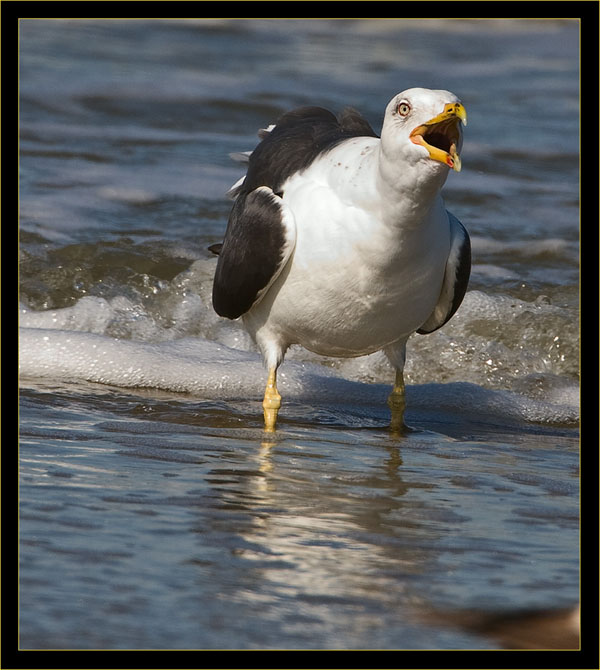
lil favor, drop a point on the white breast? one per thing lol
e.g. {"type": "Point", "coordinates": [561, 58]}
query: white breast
{"type": "Point", "coordinates": [355, 283]}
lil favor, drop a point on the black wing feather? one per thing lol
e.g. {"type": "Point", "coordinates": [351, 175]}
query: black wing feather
{"type": "Point", "coordinates": [456, 279]}
{"type": "Point", "coordinates": [255, 247]}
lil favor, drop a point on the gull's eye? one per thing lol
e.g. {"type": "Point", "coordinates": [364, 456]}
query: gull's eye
{"type": "Point", "coordinates": [403, 108]}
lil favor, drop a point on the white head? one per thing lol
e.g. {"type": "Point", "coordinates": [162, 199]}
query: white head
{"type": "Point", "coordinates": [422, 128]}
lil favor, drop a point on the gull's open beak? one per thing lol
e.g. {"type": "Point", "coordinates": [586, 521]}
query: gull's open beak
{"type": "Point", "coordinates": [440, 135]}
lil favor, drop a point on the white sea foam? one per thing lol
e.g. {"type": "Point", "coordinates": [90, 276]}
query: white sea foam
{"type": "Point", "coordinates": [211, 370]}
{"type": "Point", "coordinates": [498, 355]}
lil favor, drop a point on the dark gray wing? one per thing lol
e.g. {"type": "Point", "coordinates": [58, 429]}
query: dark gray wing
{"type": "Point", "coordinates": [456, 278]}
{"type": "Point", "coordinates": [259, 240]}
{"type": "Point", "coordinates": [354, 124]}
{"type": "Point", "coordinates": [261, 233]}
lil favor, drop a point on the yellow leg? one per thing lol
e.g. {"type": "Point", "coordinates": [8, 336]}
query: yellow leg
{"type": "Point", "coordinates": [271, 402]}
{"type": "Point", "coordinates": [397, 403]}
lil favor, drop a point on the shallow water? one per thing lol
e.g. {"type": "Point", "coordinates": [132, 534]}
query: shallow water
{"type": "Point", "coordinates": [154, 512]}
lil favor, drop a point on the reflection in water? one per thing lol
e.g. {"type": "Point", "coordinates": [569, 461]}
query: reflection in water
{"type": "Point", "coordinates": [316, 538]}
{"type": "Point", "coordinates": [334, 547]}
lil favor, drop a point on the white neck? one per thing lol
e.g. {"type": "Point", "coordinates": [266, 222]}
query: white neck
{"type": "Point", "coordinates": [409, 189]}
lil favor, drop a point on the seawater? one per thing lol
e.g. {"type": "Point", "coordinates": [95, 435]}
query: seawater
{"type": "Point", "coordinates": [154, 513]}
